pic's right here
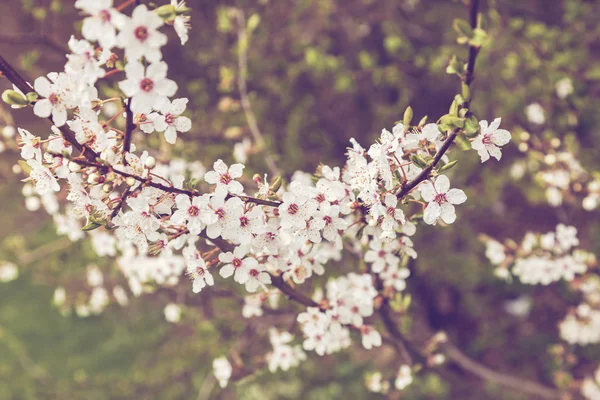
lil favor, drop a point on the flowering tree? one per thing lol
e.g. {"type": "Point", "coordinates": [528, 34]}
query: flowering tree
{"type": "Point", "coordinates": [260, 241]}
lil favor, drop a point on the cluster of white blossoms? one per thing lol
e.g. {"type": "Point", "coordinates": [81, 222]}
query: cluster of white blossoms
{"type": "Point", "coordinates": [581, 326]}
{"type": "Point", "coordinates": [96, 294]}
{"type": "Point", "coordinates": [590, 389]}
{"type": "Point", "coordinates": [161, 220]}
{"type": "Point", "coordinates": [284, 355]}
{"type": "Point", "coordinates": [541, 258]}
{"type": "Point", "coordinates": [559, 172]}
{"type": "Point", "coordinates": [351, 300]}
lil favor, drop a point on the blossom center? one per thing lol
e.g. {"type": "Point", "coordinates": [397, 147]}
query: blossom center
{"type": "Point", "coordinates": [391, 211]}
{"type": "Point", "coordinates": [253, 273]}
{"type": "Point", "coordinates": [193, 211]}
{"type": "Point", "coordinates": [104, 16]}
{"type": "Point", "coordinates": [226, 179]}
{"type": "Point", "coordinates": [141, 33]}
{"type": "Point", "coordinates": [220, 213]}
{"type": "Point", "coordinates": [53, 98]}
{"type": "Point", "coordinates": [320, 198]}
{"type": "Point", "coordinates": [328, 220]}
{"type": "Point", "coordinates": [200, 271]}
{"type": "Point", "coordinates": [244, 221]}
{"type": "Point", "coordinates": [293, 209]}
{"type": "Point", "coordinates": [147, 85]}
{"type": "Point", "coordinates": [440, 198]}
{"type": "Point", "coordinates": [237, 262]}
{"type": "Point", "coordinates": [487, 139]}
{"type": "Point", "coordinates": [170, 119]}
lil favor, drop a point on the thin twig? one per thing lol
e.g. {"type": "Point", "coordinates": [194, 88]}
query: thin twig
{"type": "Point", "coordinates": [243, 43]}
{"type": "Point", "coordinates": [508, 381]}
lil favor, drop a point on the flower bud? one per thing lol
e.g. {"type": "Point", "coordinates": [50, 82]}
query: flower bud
{"type": "Point", "coordinates": [74, 167]}
{"type": "Point", "coordinates": [167, 12]}
{"type": "Point", "coordinates": [276, 183]}
{"type": "Point", "coordinates": [93, 178]}
{"type": "Point", "coordinates": [14, 98]}
{"type": "Point", "coordinates": [106, 188]}
{"type": "Point", "coordinates": [130, 181]}
{"type": "Point", "coordinates": [32, 97]}
{"type": "Point", "coordinates": [150, 162]}
{"type": "Point", "coordinates": [408, 115]}
{"type": "Point", "coordinates": [372, 222]}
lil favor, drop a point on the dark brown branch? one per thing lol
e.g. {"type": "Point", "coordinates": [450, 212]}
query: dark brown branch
{"type": "Point", "coordinates": [129, 127]}
{"type": "Point", "coordinates": [16, 79]}
{"type": "Point", "coordinates": [291, 293]}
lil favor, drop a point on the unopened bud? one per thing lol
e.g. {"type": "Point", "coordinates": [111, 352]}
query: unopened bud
{"type": "Point", "coordinates": [276, 183]}
{"type": "Point", "coordinates": [408, 115]}
{"type": "Point", "coordinates": [74, 167]}
{"type": "Point", "coordinates": [32, 97]}
{"type": "Point", "coordinates": [14, 98]}
{"type": "Point", "coordinates": [130, 181]}
{"type": "Point", "coordinates": [256, 179]}
{"type": "Point", "coordinates": [150, 162]}
{"type": "Point", "coordinates": [372, 222]}
{"type": "Point", "coordinates": [107, 188]}
{"type": "Point", "coordinates": [93, 178]}
{"type": "Point", "coordinates": [167, 12]}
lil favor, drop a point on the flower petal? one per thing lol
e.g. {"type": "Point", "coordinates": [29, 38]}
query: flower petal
{"type": "Point", "coordinates": [442, 184]}
{"type": "Point", "coordinates": [456, 196]}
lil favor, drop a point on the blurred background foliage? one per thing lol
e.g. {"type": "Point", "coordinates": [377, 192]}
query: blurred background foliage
{"type": "Point", "coordinates": [319, 73]}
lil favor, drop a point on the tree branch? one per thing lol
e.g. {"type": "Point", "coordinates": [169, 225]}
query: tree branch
{"type": "Point", "coordinates": [508, 381]}
{"type": "Point", "coordinates": [129, 127]}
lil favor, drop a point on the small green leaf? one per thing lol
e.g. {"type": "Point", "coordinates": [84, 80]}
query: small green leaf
{"type": "Point", "coordinates": [253, 22]}
{"type": "Point", "coordinates": [479, 38]}
{"type": "Point", "coordinates": [25, 167]}
{"type": "Point", "coordinates": [447, 167]}
{"type": "Point", "coordinates": [418, 160]}
{"type": "Point", "coordinates": [471, 128]}
{"type": "Point", "coordinates": [463, 28]}
{"type": "Point", "coordinates": [455, 66]}
{"type": "Point", "coordinates": [91, 225]}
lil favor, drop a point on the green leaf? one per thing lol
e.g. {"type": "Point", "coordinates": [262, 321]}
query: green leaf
{"type": "Point", "coordinates": [471, 128]}
{"type": "Point", "coordinates": [24, 166]}
{"type": "Point", "coordinates": [447, 167]}
{"type": "Point", "coordinates": [253, 22]}
{"type": "Point", "coordinates": [479, 38]}
{"type": "Point", "coordinates": [418, 160]}
{"type": "Point", "coordinates": [455, 66]}
{"type": "Point", "coordinates": [462, 27]}
{"type": "Point", "coordinates": [448, 122]}
{"type": "Point", "coordinates": [462, 143]}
